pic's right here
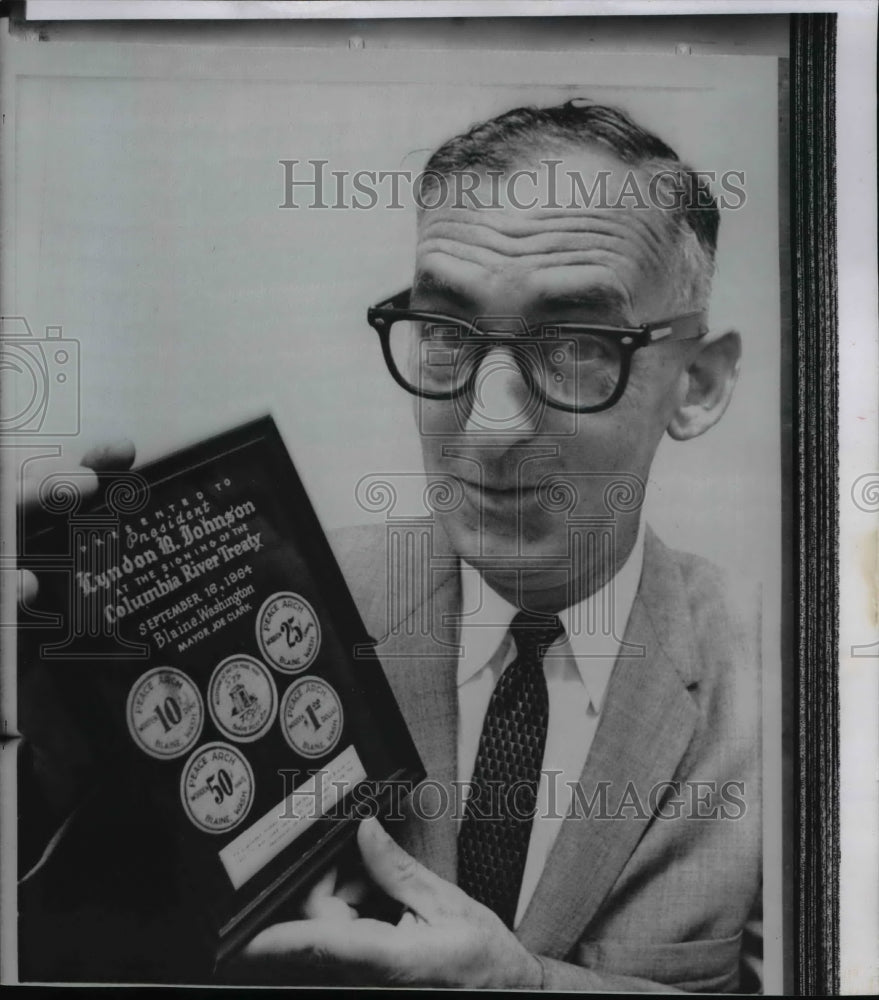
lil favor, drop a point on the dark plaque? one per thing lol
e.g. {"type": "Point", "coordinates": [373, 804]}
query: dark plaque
{"type": "Point", "coordinates": [209, 642]}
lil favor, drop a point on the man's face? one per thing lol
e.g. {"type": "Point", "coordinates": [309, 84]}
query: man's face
{"type": "Point", "coordinates": [607, 266]}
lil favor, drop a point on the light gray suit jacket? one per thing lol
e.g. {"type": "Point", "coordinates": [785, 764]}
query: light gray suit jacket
{"type": "Point", "coordinates": [628, 900]}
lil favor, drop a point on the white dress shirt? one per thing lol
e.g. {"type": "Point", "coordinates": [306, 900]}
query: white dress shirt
{"type": "Point", "coordinates": [577, 669]}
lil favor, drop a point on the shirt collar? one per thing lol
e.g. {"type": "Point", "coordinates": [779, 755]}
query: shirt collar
{"type": "Point", "coordinates": [484, 628]}
{"type": "Point", "coordinates": [593, 652]}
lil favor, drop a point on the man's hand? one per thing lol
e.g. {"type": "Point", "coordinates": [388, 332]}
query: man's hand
{"type": "Point", "coordinates": [116, 456]}
{"type": "Point", "coordinates": [443, 939]}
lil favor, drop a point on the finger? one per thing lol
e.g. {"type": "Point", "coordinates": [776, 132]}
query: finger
{"type": "Point", "coordinates": [42, 476]}
{"type": "Point", "coordinates": [354, 891]}
{"type": "Point", "coordinates": [323, 887]}
{"type": "Point", "coordinates": [112, 456]}
{"type": "Point", "coordinates": [27, 586]}
{"type": "Point", "coordinates": [313, 906]}
{"type": "Point", "coordinates": [359, 942]}
{"type": "Point", "coordinates": [331, 908]}
{"type": "Point", "coordinates": [43, 480]}
{"type": "Point", "coordinates": [327, 900]}
{"type": "Point", "coordinates": [401, 876]}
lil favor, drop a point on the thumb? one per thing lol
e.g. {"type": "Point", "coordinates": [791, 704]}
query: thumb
{"type": "Point", "coordinates": [27, 587]}
{"type": "Point", "coordinates": [113, 456]}
{"type": "Point", "coordinates": [400, 875]}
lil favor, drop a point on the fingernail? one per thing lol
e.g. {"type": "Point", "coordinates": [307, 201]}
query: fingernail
{"type": "Point", "coordinates": [374, 828]}
{"type": "Point", "coordinates": [120, 451]}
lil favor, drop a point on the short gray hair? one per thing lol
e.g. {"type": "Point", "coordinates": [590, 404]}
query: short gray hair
{"type": "Point", "coordinates": [509, 139]}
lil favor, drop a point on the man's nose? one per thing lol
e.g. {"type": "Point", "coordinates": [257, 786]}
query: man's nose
{"type": "Point", "coordinates": [502, 401]}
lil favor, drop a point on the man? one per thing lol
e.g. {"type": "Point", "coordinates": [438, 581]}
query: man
{"type": "Point", "coordinates": [610, 834]}
{"type": "Point", "coordinates": [643, 896]}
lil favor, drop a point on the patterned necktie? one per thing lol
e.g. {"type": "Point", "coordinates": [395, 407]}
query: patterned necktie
{"type": "Point", "coordinates": [493, 841]}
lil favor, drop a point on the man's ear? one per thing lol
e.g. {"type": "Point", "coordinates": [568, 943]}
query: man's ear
{"type": "Point", "coordinates": [710, 375]}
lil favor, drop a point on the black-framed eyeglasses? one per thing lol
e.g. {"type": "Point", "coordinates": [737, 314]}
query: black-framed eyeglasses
{"type": "Point", "coordinates": [578, 367]}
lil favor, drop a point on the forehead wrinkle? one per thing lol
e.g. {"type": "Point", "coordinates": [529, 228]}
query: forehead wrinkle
{"type": "Point", "coordinates": [540, 221]}
{"type": "Point", "coordinates": [613, 264]}
{"type": "Point", "coordinates": [604, 233]}
{"type": "Point", "coordinates": [608, 251]}
{"type": "Point", "coordinates": [573, 254]}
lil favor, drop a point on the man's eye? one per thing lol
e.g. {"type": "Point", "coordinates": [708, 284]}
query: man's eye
{"type": "Point", "coordinates": [589, 349]}
{"type": "Point", "coordinates": [442, 332]}
{"type": "Point", "coordinates": [439, 356]}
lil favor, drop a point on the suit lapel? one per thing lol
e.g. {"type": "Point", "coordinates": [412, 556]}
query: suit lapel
{"type": "Point", "coordinates": [420, 658]}
{"type": "Point", "coordinates": [645, 728]}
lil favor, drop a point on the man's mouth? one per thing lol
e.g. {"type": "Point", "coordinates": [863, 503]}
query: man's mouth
{"type": "Point", "coordinates": [493, 493]}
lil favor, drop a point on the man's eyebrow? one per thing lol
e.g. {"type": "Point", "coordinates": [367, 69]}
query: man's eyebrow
{"type": "Point", "coordinates": [602, 297]}
{"type": "Point", "coordinates": [431, 284]}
